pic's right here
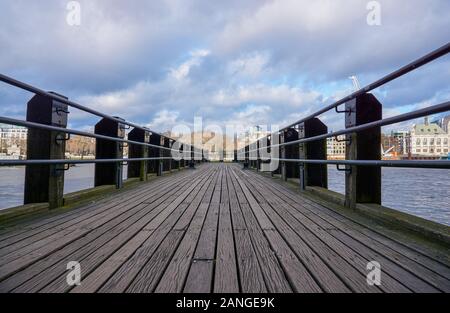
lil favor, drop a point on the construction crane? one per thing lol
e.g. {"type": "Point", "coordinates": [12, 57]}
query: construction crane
{"type": "Point", "coordinates": [387, 152]}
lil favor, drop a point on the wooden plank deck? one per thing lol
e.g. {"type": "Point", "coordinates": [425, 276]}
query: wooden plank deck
{"type": "Point", "coordinates": [213, 229]}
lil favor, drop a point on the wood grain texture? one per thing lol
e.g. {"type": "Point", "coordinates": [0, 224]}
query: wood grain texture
{"type": "Point", "coordinates": [213, 229]}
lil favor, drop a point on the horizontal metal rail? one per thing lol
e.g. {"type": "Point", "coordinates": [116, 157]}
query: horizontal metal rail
{"type": "Point", "coordinates": [8, 120]}
{"type": "Point", "coordinates": [445, 49]}
{"type": "Point", "coordinates": [73, 161]}
{"type": "Point", "coordinates": [441, 164]}
{"type": "Point", "coordinates": [14, 82]}
{"type": "Point", "coordinates": [38, 91]}
{"type": "Point", "coordinates": [438, 108]}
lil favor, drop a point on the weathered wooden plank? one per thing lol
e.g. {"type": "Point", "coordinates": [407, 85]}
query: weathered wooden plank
{"type": "Point", "coordinates": [299, 277]}
{"type": "Point", "coordinates": [251, 277]}
{"type": "Point", "coordinates": [204, 252]}
{"type": "Point", "coordinates": [83, 246]}
{"type": "Point", "coordinates": [200, 277]}
{"type": "Point", "coordinates": [123, 277]}
{"type": "Point", "coordinates": [213, 229]}
{"type": "Point", "coordinates": [145, 196]}
{"type": "Point", "coordinates": [207, 242]}
{"type": "Point", "coordinates": [151, 273]}
{"type": "Point", "coordinates": [226, 276]}
{"type": "Point", "coordinates": [320, 260]}
{"type": "Point", "coordinates": [175, 275]}
{"type": "Point", "coordinates": [39, 224]}
{"type": "Point", "coordinates": [272, 271]}
{"type": "Point", "coordinates": [367, 251]}
{"type": "Point", "coordinates": [101, 251]}
{"type": "Point", "coordinates": [417, 254]}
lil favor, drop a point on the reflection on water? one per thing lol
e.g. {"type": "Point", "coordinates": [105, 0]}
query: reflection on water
{"type": "Point", "coordinates": [422, 192]}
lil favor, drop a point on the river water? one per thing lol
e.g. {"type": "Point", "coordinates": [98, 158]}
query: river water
{"type": "Point", "coordinates": [421, 192]}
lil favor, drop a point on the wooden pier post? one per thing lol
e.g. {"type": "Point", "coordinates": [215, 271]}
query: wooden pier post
{"type": "Point", "coordinates": [246, 157]}
{"type": "Point", "coordinates": [138, 169]}
{"type": "Point", "coordinates": [167, 164]}
{"type": "Point", "coordinates": [258, 155]}
{"type": "Point", "coordinates": [109, 173]}
{"type": "Point", "coordinates": [183, 159]}
{"type": "Point", "coordinates": [363, 184]}
{"type": "Point", "coordinates": [282, 164]}
{"type": "Point", "coordinates": [313, 174]}
{"type": "Point", "coordinates": [290, 169]}
{"type": "Point", "coordinates": [191, 160]}
{"type": "Point", "coordinates": [154, 166]}
{"type": "Point", "coordinates": [173, 163]}
{"type": "Point", "coordinates": [43, 182]}
{"type": "Point", "coordinates": [253, 155]}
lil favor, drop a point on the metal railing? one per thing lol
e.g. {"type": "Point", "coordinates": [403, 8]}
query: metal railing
{"type": "Point", "coordinates": [44, 179]}
{"type": "Point", "coordinates": [363, 123]}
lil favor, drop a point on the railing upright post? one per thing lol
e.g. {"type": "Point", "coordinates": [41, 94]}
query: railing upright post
{"type": "Point", "coordinates": [153, 166]}
{"type": "Point", "coordinates": [258, 157]}
{"type": "Point", "coordinates": [182, 160]}
{"type": "Point", "coordinates": [138, 169]}
{"type": "Point", "coordinates": [283, 156]}
{"type": "Point", "coordinates": [173, 163]}
{"type": "Point", "coordinates": [192, 161]}
{"type": "Point", "coordinates": [269, 151]}
{"type": "Point", "coordinates": [313, 174]}
{"type": "Point", "coordinates": [246, 157]}
{"type": "Point", "coordinates": [253, 155]}
{"type": "Point", "coordinates": [167, 163]}
{"type": "Point", "coordinates": [145, 153]}
{"type": "Point", "coordinates": [43, 182]}
{"type": "Point", "coordinates": [363, 184]}
{"type": "Point", "coordinates": [109, 173]}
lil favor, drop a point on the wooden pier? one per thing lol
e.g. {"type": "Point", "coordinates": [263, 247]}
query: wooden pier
{"type": "Point", "coordinates": [217, 228]}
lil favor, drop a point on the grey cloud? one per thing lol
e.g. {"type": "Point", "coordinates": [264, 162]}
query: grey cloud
{"type": "Point", "coordinates": [275, 55]}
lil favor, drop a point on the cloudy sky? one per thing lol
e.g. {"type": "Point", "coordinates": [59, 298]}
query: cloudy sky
{"type": "Point", "coordinates": [254, 62]}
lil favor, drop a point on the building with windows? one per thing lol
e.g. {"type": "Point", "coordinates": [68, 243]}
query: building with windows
{"type": "Point", "coordinates": [336, 148]}
{"type": "Point", "coordinates": [429, 140]}
{"type": "Point", "coordinates": [13, 136]}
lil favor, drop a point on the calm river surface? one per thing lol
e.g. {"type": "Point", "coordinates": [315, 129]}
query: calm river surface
{"type": "Point", "coordinates": [422, 192]}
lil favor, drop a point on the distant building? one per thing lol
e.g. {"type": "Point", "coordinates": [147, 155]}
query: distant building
{"type": "Point", "coordinates": [429, 139]}
{"type": "Point", "coordinates": [336, 148]}
{"type": "Point", "coordinates": [216, 145]}
{"type": "Point", "coordinates": [13, 138]}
